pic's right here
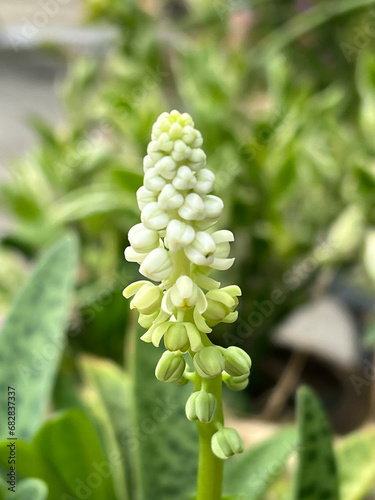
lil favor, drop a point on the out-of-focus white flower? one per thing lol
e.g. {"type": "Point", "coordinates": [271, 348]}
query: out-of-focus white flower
{"type": "Point", "coordinates": [185, 179]}
{"type": "Point", "coordinates": [142, 239]}
{"type": "Point", "coordinates": [201, 250]}
{"type": "Point", "coordinates": [153, 181]}
{"type": "Point", "coordinates": [154, 217]}
{"type": "Point", "coordinates": [166, 167]}
{"type": "Point", "coordinates": [144, 196]}
{"type": "Point", "coordinates": [157, 265]}
{"type": "Point", "coordinates": [205, 181]}
{"type": "Point", "coordinates": [170, 198]}
{"type": "Point", "coordinates": [179, 235]}
{"type": "Point", "coordinates": [193, 208]}
{"type": "Point", "coordinates": [197, 159]}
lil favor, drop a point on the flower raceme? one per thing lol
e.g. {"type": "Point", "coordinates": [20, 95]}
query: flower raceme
{"type": "Point", "coordinates": [176, 248]}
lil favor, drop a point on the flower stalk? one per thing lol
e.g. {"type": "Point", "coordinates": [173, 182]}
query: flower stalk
{"type": "Point", "coordinates": [177, 249]}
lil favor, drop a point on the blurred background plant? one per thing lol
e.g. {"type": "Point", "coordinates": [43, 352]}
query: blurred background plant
{"type": "Point", "coordinates": [284, 95]}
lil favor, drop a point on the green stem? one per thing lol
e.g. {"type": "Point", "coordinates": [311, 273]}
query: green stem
{"type": "Point", "coordinates": [210, 468]}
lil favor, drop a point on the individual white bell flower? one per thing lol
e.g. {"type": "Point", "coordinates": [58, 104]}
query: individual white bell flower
{"type": "Point", "coordinates": [184, 294]}
{"type": "Point", "coordinates": [132, 256]}
{"type": "Point", "coordinates": [193, 208]}
{"type": "Point", "coordinates": [221, 260]}
{"type": "Point", "coordinates": [145, 196]}
{"type": "Point", "coordinates": [181, 151]}
{"type": "Point", "coordinates": [142, 239]}
{"type": "Point", "coordinates": [154, 152]}
{"type": "Point", "coordinates": [170, 198]}
{"type": "Point", "coordinates": [154, 217]}
{"type": "Point", "coordinates": [157, 265]}
{"type": "Point", "coordinates": [185, 179]}
{"type": "Point", "coordinates": [179, 235]}
{"type": "Point", "coordinates": [165, 143]}
{"type": "Point", "coordinates": [205, 181]}
{"type": "Point", "coordinates": [166, 167]}
{"type": "Point", "coordinates": [147, 163]}
{"type": "Point", "coordinates": [153, 181]}
{"type": "Point", "coordinates": [197, 159]}
{"type": "Point", "coordinates": [214, 206]}
{"type": "Point", "coordinates": [201, 250]}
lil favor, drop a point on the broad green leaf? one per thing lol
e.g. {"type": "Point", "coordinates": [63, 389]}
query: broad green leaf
{"type": "Point", "coordinates": [163, 441]}
{"type": "Point", "coordinates": [68, 456]}
{"type": "Point", "coordinates": [30, 489]}
{"type": "Point", "coordinates": [252, 473]}
{"type": "Point", "coordinates": [356, 464]}
{"type": "Point", "coordinates": [316, 475]}
{"type": "Point", "coordinates": [108, 395]}
{"type": "Point", "coordinates": [32, 339]}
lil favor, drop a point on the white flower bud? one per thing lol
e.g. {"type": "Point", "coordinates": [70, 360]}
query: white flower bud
{"type": "Point", "coordinates": [157, 265]}
{"type": "Point", "coordinates": [147, 163]}
{"type": "Point", "coordinates": [153, 181]}
{"type": "Point", "coordinates": [166, 167]}
{"type": "Point", "coordinates": [176, 132]}
{"type": "Point", "coordinates": [237, 361]}
{"type": "Point", "coordinates": [197, 159]}
{"type": "Point", "coordinates": [170, 198]}
{"type": "Point", "coordinates": [153, 217]}
{"type": "Point", "coordinates": [193, 208]}
{"type": "Point", "coordinates": [185, 179]}
{"type": "Point", "coordinates": [179, 235]}
{"type": "Point", "coordinates": [205, 181]}
{"type": "Point", "coordinates": [226, 442]}
{"type": "Point", "coordinates": [142, 239]}
{"type": "Point", "coordinates": [132, 256]}
{"type": "Point", "coordinates": [185, 119]}
{"type": "Point", "coordinates": [237, 383]}
{"type": "Point", "coordinates": [144, 196]}
{"type": "Point", "coordinates": [190, 135]}
{"type": "Point", "coordinates": [154, 152]}
{"type": "Point", "coordinates": [213, 205]}
{"type": "Point", "coordinates": [180, 151]}
{"type": "Point", "coordinates": [165, 143]}
{"type": "Point", "coordinates": [201, 250]}
{"type": "Point", "coordinates": [184, 294]}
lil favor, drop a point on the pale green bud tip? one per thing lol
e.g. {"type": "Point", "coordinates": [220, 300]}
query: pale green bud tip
{"type": "Point", "coordinates": [182, 336]}
{"type": "Point", "coordinates": [237, 383]}
{"type": "Point", "coordinates": [201, 406]}
{"type": "Point", "coordinates": [209, 362]}
{"type": "Point", "coordinates": [226, 442]}
{"type": "Point", "coordinates": [237, 361]}
{"type": "Point", "coordinates": [170, 367]}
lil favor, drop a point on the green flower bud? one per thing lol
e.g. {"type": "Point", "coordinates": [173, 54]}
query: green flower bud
{"type": "Point", "coordinates": [201, 406]}
{"type": "Point", "coordinates": [176, 338]}
{"type": "Point", "coordinates": [226, 442]}
{"type": "Point", "coordinates": [237, 361]}
{"type": "Point", "coordinates": [170, 367]}
{"type": "Point", "coordinates": [221, 304]}
{"type": "Point", "coordinates": [237, 383]}
{"type": "Point", "coordinates": [148, 299]}
{"type": "Point", "coordinates": [182, 336]}
{"type": "Point", "coordinates": [209, 362]}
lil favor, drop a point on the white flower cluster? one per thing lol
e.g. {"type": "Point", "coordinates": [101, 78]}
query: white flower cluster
{"type": "Point", "coordinates": [174, 243]}
{"type": "Point", "coordinates": [176, 206]}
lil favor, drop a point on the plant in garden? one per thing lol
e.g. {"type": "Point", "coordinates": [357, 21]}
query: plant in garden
{"type": "Point", "coordinates": [177, 248]}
